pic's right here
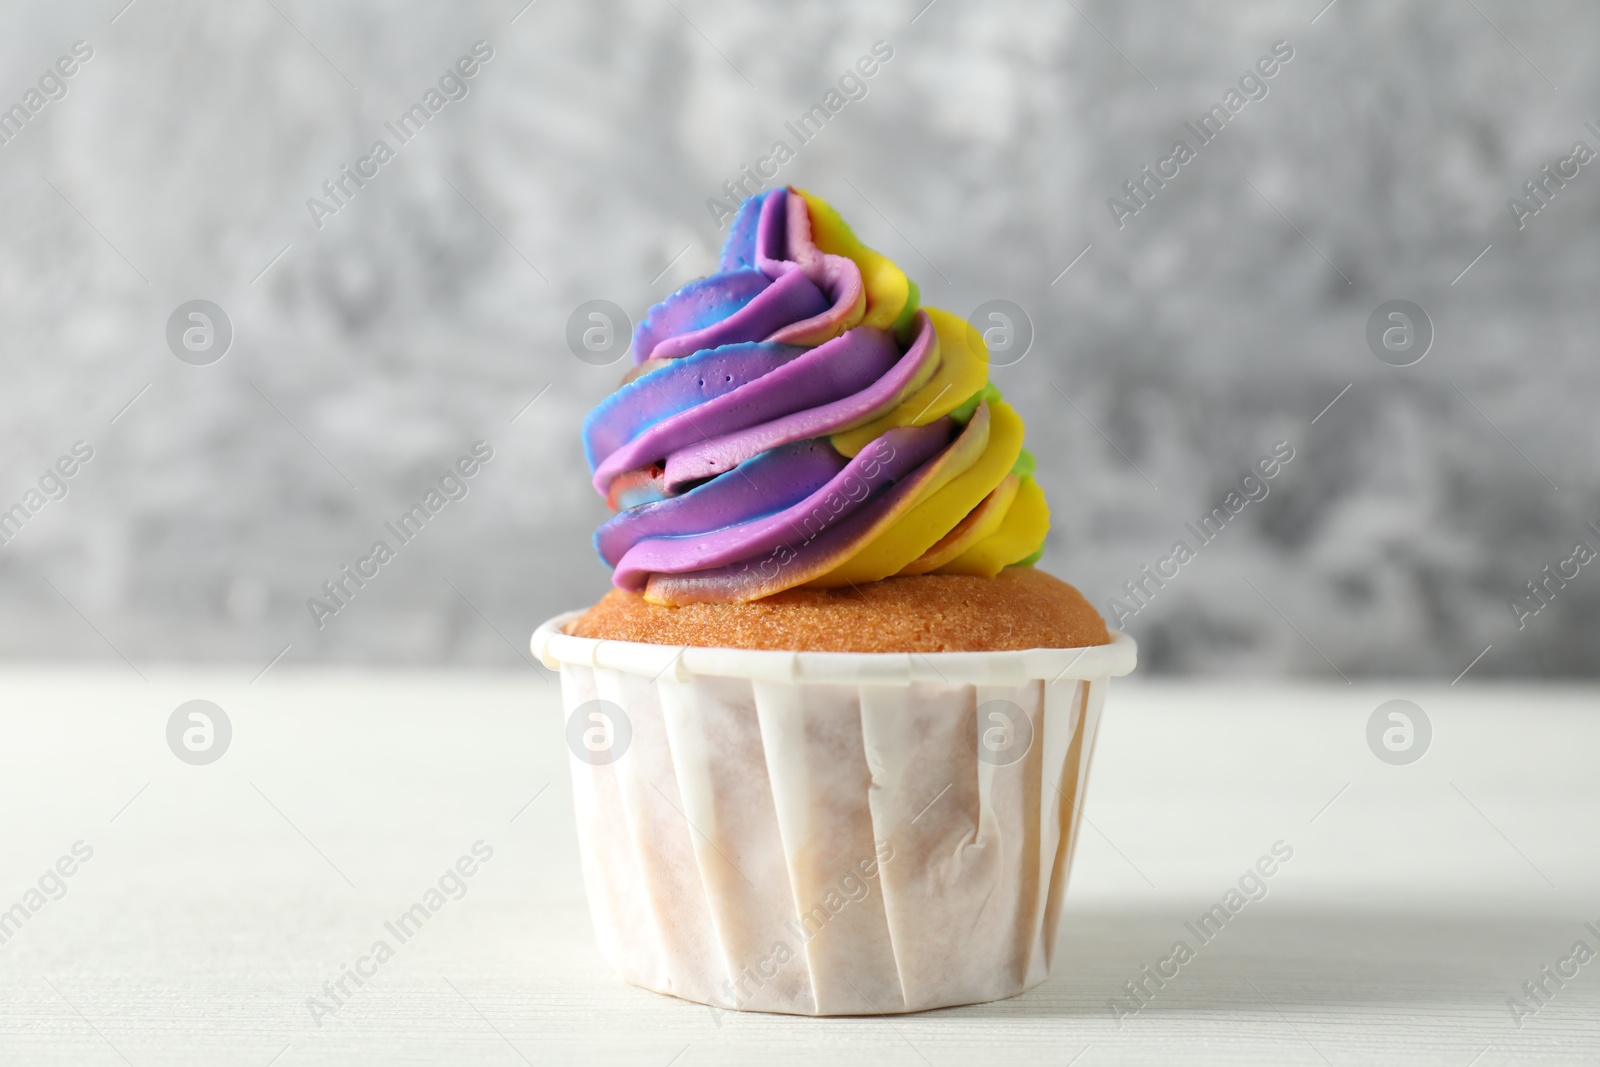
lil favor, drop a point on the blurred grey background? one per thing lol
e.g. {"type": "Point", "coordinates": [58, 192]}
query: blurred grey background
{"type": "Point", "coordinates": [1224, 317]}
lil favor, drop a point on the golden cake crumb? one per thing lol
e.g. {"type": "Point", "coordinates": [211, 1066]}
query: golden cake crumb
{"type": "Point", "coordinates": [1020, 608]}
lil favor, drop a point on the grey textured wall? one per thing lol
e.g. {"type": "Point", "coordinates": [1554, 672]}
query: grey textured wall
{"type": "Point", "coordinates": [1220, 319]}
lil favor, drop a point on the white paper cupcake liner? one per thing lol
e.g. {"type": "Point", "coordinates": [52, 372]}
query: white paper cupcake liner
{"type": "Point", "coordinates": [828, 833]}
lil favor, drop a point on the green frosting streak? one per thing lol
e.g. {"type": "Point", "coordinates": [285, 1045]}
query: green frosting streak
{"type": "Point", "coordinates": [963, 414]}
{"type": "Point", "coordinates": [902, 326]}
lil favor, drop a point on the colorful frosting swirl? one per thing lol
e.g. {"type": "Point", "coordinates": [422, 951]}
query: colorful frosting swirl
{"type": "Point", "coordinates": [796, 419]}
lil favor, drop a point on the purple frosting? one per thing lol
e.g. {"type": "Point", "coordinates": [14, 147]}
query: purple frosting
{"type": "Point", "coordinates": [768, 483]}
{"type": "Point", "coordinates": [721, 443]}
{"type": "Point", "coordinates": [877, 467]}
{"type": "Point", "coordinates": [817, 377]}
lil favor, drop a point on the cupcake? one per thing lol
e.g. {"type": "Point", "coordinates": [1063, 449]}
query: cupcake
{"type": "Point", "coordinates": [831, 728]}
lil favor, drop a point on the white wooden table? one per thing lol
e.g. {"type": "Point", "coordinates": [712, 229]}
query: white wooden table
{"type": "Point", "coordinates": [220, 898]}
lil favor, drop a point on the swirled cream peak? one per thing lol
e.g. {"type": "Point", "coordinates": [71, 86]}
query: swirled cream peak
{"type": "Point", "coordinates": [797, 419]}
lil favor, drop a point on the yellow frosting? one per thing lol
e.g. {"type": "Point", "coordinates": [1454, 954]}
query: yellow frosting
{"type": "Point", "coordinates": [888, 288]}
{"type": "Point", "coordinates": [1019, 536]}
{"type": "Point", "coordinates": [962, 371]}
{"type": "Point", "coordinates": [940, 510]}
